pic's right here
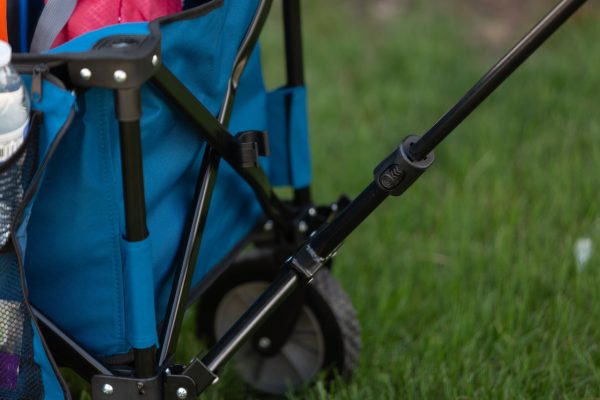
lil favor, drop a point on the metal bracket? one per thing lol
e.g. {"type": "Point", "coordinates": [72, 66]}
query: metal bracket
{"type": "Point", "coordinates": [176, 383]}
{"type": "Point", "coordinates": [117, 62]}
{"type": "Point", "coordinates": [398, 172]}
{"type": "Point", "coordinates": [126, 388]}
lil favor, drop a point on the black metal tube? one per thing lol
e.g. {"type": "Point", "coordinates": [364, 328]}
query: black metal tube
{"type": "Point", "coordinates": [494, 77]}
{"type": "Point", "coordinates": [67, 352]}
{"type": "Point", "coordinates": [324, 242]}
{"type": "Point", "coordinates": [302, 196]}
{"type": "Point", "coordinates": [208, 171]}
{"type": "Point", "coordinates": [145, 362]}
{"type": "Point", "coordinates": [217, 136]}
{"type": "Point", "coordinates": [294, 57]}
{"type": "Point", "coordinates": [242, 58]}
{"type": "Point", "coordinates": [248, 324]}
{"type": "Point", "coordinates": [184, 275]}
{"type": "Point", "coordinates": [333, 234]}
{"type": "Point", "coordinates": [129, 110]}
{"type": "Point", "coordinates": [293, 42]}
{"type": "Point", "coordinates": [133, 181]}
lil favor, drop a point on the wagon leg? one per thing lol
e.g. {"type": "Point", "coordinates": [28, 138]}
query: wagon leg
{"type": "Point", "coordinates": [129, 111]}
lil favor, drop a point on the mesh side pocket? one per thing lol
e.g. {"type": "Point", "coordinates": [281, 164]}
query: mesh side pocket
{"type": "Point", "coordinates": [20, 376]}
{"type": "Point", "coordinates": [15, 175]}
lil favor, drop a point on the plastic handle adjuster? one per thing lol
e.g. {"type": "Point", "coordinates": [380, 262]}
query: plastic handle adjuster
{"type": "Point", "coordinates": [398, 172]}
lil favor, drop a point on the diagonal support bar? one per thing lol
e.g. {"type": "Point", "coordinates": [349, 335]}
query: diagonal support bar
{"type": "Point", "coordinates": [495, 77]}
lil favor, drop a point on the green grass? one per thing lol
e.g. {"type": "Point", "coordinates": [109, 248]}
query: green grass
{"type": "Point", "coordinates": [467, 286]}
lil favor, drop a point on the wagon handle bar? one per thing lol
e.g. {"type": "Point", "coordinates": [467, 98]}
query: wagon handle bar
{"type": "Point", "coordinates": [495, 77]}
{"type": "Point", "coordinates": [392, 177]}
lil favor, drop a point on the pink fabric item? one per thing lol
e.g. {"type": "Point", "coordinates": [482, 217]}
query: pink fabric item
{"type": "Point", "coordinates": [90, 15]}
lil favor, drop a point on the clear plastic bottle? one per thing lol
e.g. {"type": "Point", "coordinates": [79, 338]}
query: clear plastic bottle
{"type": "Point", "coordinates": [14, 121]}
{"type": "Point", "coordinates": [14, 106]}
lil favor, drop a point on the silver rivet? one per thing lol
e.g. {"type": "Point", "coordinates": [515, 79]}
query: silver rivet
{"type": "Point", "coordinates": [312, 211]}
{"type": "Point", "coordinates": [168, 371]}
{"type": "Point", "coordinates": [268, 226]}
{"type": "Point", "coordinates": [264, 343]}
{"type": "Point", "coordinates": [182, 393]}
{"type": "Point", "coordinates": [334, 207]}
{"type": "Point", "coordinates": [120, 76]}
{"type": "Point", "coordinates": [302, 227]}
{"type": "Point", "coordinates": [155, 60]}
{"type": "Point", "coordinates": [107, 389]}
{"type": "Point", "coordinates": [85, 74]}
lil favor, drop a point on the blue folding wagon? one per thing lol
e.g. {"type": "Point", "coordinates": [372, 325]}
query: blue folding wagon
{"type": "Point", "coordinates": [151, 163]}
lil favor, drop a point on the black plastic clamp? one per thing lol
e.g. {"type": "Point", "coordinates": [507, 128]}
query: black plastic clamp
{"type": "Point", "coordinates": [398, 172]}
{"type": "Point", "coordinates": [202, 376]}
{"type": "Point", "coordinates": [306, 262]}
{"type": "Point", "coordinates": [252, 144]}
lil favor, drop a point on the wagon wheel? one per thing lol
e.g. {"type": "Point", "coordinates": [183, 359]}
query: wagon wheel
{"type": "Point", "coordinates": [325, 336]}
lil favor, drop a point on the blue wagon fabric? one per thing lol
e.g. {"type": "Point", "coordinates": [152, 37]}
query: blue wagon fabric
{"type": "Point", "coordinates": [26, 369]}
{"type": "Point", "coordinates": [109, 294]}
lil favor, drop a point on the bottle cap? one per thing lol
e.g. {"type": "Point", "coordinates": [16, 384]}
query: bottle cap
{"type": "Point", "coordinates": [5, 53]}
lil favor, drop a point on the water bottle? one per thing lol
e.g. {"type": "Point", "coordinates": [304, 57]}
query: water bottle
{"type": "Point", "coordinates": [14, 106]}
{"type": "Point", "coordinates": [14, 124]}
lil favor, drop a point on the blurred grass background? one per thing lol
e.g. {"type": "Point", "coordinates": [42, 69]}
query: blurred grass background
{"type": "Point", "coordinates": [467, 286]}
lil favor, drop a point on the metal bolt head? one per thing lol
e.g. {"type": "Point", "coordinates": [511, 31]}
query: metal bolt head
{"type": "Point", "coordinates": [86, 74]}
{"type": "Point", "coordinates": [107, 389]}
{"type": "Point", "coordinates": [120, 76]}
{"type": "Point", "coordinates": [155, 60]}
{"type": "Point", "coordinates": [302, 227]}
{"type": "Point", "coordinates": [312, 211]}
{"type": "Point", "coordinates": [264, 343]}
{"type": "Point", "coordinates": [268, 226]}
{"type": "Point", "coordinates": [334, 207]}
{"type": "Point", "coordinates": [182, 393]}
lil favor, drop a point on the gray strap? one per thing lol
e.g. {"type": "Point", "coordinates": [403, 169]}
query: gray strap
{"type": "Point", "coordinates": [54, 17]}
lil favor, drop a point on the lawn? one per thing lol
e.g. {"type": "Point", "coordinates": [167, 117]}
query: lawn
{"type": "Point", "coordinates": [467, 286]}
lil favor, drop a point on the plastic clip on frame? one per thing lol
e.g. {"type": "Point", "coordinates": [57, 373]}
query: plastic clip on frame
{"type": "Point", "coordinates": [161, 379]}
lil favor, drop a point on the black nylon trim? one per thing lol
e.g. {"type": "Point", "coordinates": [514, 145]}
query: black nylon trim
{"type": "Point", "coordinates": [18, 251]}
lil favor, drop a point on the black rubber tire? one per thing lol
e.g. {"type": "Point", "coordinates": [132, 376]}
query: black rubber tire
{"type": "Point", "coordinates": [326, 299]}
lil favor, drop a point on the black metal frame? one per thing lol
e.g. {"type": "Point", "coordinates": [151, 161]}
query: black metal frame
{"type": "Point", "coordinates": [156, 376]}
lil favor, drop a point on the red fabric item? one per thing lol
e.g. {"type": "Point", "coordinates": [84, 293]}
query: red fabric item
{"type": "Point", "coordinates": [90, 15]}
{"type": "Point", "coordinates": [3, 24]}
